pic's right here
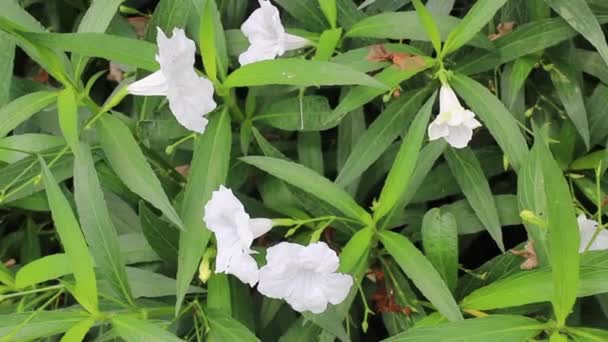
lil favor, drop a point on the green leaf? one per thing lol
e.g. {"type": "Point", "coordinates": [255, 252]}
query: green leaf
{"type": "Point", "coordinates": [563, 234]}
{"type": "Point", "coordinates": [95, 20]}
{"type": "Point", "coordinates": [531, 196]}
{"type": "Point", "coordinates": [578, 14]}
{"type": "Point", "coordinates": [329, 9]}
{"type": "Point", "coordinates": [129, 163]}
{"type": "Point", "coordinates": [218, 293]}
{"type": "Point", "coordinates": [164, 242]}
{"type": "Point", "coordinates": [379, 136]}
{"type": "Point", "coordinates": [407, 25]}
{"type": "Point", "coordinates": [328, 41]}
{"type": "Point", "coordinates": [29, 169]}
{"type": "Point", "coordinates": [494, 327]}
{"type": "Point", "coordinates": [219, 36]}
{"type": "Point", "coordinates": [534, 286]}
{"type": "Point", "coordinates": [72, 240]}
{"type": "Point", "coordinates": [422, 273]}
{"type": "Point", "coordinates": [7, 58]}
{"type": "Point", "coordinates": [206, 38]}
{"type": "Point", "coordinates": [310, 151]}
{"type": "Point", "coordinates": [97, 224]}
{"type": "Point", "coordinates": [565, 80]}
{"type": "Point", "coordinates": [287, 114]}
{"type": "Point", "coordinates": [307, 12]}
{"type": "Point", "coordinates": [41, 324]}
{"type": "Point", "coordinates": [47, 268]}
{"type": "Point", "coordinates": [501, 124]}
{"type": "Point", "coordinates": [468, 173]}
{"type": "Point", "coordinates": [209, 169]}
{"type": "Point", "coordinates": [429, 25]}
{"type": "Point", "coordinates": [300, 72]}
{"type": "Point", "coordinates": [360, 95]}
{"type": "Point", "coordinates": [23, 108]}
{"type": "Point", "coordinates": [135, 330]}
{"type": "Point", "coordinates": [356, 251]}
{"type": "Point", "coordinates": [440, 242]}
{"type": "Point", "coordinates": [136, 53]}
{"type": "Point", "coordinates": [68, 118]}
{"type": "Point", "coordinates": [311, 182]}
{"type": "Point", "coordinates": [598, 117]}
{"type": "Point", "coordinates": [515, 79]}
{"type": "Point", "coordinates": [467, 220]}
{"type": "Point", "coordinates": [226, 328]}
{"type": "Point", "coordinates": [401, 172]}
{"type": "Point", "coordinates": [528, 38]}
{"type": "Point", "coordinates": [31, 142]}
{"type": "Point", "coordinates": [588, 334]}
{"type": "Point", "coordinates": [18, 15]}
{"type": "Point", "coordinates": [78, 332]}
{"type": "Point", "coordinates": [482, 12]}
{"type": "Point", "coordinates": [149, 284]}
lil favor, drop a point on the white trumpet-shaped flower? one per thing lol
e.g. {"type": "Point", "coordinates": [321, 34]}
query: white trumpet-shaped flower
{"type": "Point", "coordinates": [305, 277]}
{"type": "Point", "coordinates": [587, 228]}
{"type": "Point", "coordinates": [267, 36]}
{"type": "Point", "coordinates": [234, 231]}
{"type": "Point", "coordinates": [190, 96]}
{"type": "Point", "coordinates": [454, 123]}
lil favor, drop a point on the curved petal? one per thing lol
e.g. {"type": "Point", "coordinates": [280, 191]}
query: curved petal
{"type": "Point", "coordinates": [437, 130]}
{"type": "Point", "coordinates": [472, 123]}
{"type": "Point", "coordinates": [154, 84]}
{"type": "Point", "coordinates": [336, 287]}
{"type": "Point", "coordinates": [307, 296]}
{"type": "Point", "coordinates": [259, 52]}
{"type": "Point", "coordinates": [220, 211]}
{"type": "Point", "coordinates": [260, 226]}
{"type": "Point", "coordinates": [190, 98]}
{"type": "Point", "coordinates": [459, 136]}
{"type": "Point", "coordinates": [293, 42]}
{"type": "Point", "coordinates": [244, 267]}
{"type": "Point", "coordinates": [175, 54]}
{"type": "Point", "coordinates": [320, 258]}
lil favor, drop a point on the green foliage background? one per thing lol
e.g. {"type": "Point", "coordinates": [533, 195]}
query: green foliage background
{"type": "Point", "coordinates": [101, 237]}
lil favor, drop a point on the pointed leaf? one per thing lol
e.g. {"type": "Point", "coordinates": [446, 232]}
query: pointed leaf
{"type": "Point", "coordinates": [422, 273]}
{"type": "Point", "coordinates": [129, 163]}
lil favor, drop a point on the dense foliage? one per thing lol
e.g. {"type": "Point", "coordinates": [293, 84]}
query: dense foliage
{"type": "Point", "coordinates": [112, 226]}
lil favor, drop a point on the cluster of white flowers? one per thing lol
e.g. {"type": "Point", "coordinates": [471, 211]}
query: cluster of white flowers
{"type": "Point", "coordinates": [304, 276]}
{"type": "Point", "coordinates": [191, 96]}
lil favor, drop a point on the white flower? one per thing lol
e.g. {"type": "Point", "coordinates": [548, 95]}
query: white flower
{"type": "Point", "coordinates": [234, 232]}
{"type": "Point", "coordinates": [454, 123]}
{"type": "Point", "coordinates": [190, 96]}
{"type": "Point", "coordinates": [305, 277]}
{"type": "Point", "coordinates": [587, 228]}
{"type": "Point", "coordinates": [267, 36]}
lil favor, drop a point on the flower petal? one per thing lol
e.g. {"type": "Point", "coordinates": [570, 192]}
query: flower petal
{"type": "Point", "coordinates": [190, 98]}
{"type": "Point", "coordinates": [293, 42]}
{"type": "Point", "coordinates": [259, 52]}
{"type": "Point", "coordinates": [437, 130]}
{"type": "Point", "coordinates": [459, 136]}
{"type": "Point", "coordinates": [175, 54]}
{"type": "Point", "coordinates": [260, 226]}
{"type": "Point", "coordinates": [320, 257]}
{"type": "Point", "coordinates": [448, 101]}
{"type": "Point", "coordinates": [587, 228]}
{"type": "Point", "coordinates": [244, 267]}
{"type": "Point", "coordinates": [336, 287]}
{"type": "Point", "coordinates": [154, 84]}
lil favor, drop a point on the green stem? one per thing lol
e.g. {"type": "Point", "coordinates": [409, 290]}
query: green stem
{"type": "Point", "coordinates": [24, 293]}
